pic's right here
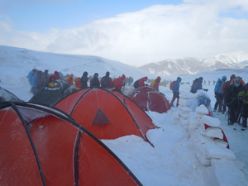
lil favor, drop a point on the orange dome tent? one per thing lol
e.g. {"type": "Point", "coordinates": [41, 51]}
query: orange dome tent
{"type": "Point", "coordinates": [106, 114]}
{"type": "Point", "coordinates": [148, 99]}
{"type": "Point", "coordinates": [43, 146]}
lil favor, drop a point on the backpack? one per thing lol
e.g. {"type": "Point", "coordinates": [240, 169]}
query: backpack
{"type": "Point", "coordinates": [172, 85]}
{"type": "Point", "coordinates": [136, 84]}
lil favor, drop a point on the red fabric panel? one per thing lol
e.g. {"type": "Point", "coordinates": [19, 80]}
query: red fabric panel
{"type": "Point", "coordinates": [17, 161]}
{"type": "Point", "coordinates": [148, 99]}
{"type": "Point", "coordinates": [70, 101]}
{"type": "Point", "coordinates": [141, 119]}
{"type": "Point", "coordinates": [157, 102]}
{"type": "Point", "coordinates": [140, 97]}
{"type": "Point", "coordinates": [206, 126]}
{"type": "Point", "coordinates": [98, 167]}
{"type": "Point", "coordinates": [120, 122]}
{"type": "Point", "coordinates": [54, 140]}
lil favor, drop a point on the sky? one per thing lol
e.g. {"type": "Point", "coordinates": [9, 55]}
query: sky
{"type": "Point", "coordinates": [133, 32]}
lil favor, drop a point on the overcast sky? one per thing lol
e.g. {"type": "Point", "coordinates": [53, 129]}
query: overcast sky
{"type": "Point", "coordinates": [134, 32]}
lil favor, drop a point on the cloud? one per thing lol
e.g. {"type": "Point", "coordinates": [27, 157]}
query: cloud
{"type": "Point", "coordinates": [194, 28]}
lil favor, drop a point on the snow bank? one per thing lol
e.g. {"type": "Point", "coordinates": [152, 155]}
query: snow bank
{"type": "Point", "coordinates": [211, 150]}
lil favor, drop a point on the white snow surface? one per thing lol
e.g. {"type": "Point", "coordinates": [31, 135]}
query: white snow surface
{"type": "Point", "coordinates": [184, 153]}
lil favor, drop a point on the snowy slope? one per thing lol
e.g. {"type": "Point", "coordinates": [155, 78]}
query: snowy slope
{"type": "Point", "coordinates": [17, 62]}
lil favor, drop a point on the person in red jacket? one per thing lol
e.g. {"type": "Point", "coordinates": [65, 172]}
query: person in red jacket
{"type": "Point", "coordinates": [119, 82]}
{"type": "Point", "coordinates": [140, 82]}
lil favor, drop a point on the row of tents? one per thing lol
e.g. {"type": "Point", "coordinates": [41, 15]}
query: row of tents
{"type": "Point", "coordinates": [61, 145]}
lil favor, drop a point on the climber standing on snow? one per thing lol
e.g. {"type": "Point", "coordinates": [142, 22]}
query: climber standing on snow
{"type": "Point", "coordinates": [218, 91]}
{"type": "Point", "coordinates": [155, 83]}
{"type": "Point", "coordinates": [106, 81]}
{"type": "Point", "coordinates": [174, 86]}
{"type": "Point", "coordinates": [84, 80]}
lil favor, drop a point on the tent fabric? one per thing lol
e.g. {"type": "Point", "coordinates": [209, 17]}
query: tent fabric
{"type": "Point", "coordinates": [206, 126]}
{"type": "Point", "coordinates": [100, 118]}
{"type": "Point", "coordinates": [123, 116]}
{"type": "Point", "coordinates": [148, 99]}
{"type": "Point", "coordinates": [51, 149]}
{"type": "Point", "coordinates": [6, 95]}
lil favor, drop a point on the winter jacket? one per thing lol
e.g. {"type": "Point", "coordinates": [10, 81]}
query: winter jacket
{"type": "Point", "coordinates": [78, 83]}
{"type": "Point", "coordinates": [197, 84]}
{"type": "Point", "coordinates": [84, 80]}
{"type": "Point", "coordinates": [175, 87]}
{"type": "Point", "coordinates": [232, 94]}
{"type": "Point", "coordinates": [119, 82]}
{"type": "Point", "coordinates": [106, 82]}
{"type": "Point", "coordinates": [94, 82]}
{"type": "Point", "coordinates": [243, 96]}
{"type": "Point", "coordinates": [140, 82]}
{"type": "Point", "coordinates": [218, 87]}
{"type": "Point", "coordinates": [155, 84]}
{"type": "Point", "coordinates": [33, 78]}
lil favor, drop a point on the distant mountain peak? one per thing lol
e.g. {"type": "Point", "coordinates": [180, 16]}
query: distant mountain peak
{"type": "Point", "coordinates": [191, 65]}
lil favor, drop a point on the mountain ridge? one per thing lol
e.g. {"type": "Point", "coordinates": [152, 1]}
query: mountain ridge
{"type": "Point", "coordinates": [190, 65]}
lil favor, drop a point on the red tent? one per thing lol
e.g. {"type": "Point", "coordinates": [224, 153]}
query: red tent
{"type": "Point", "coordinates": [148, 99]}
{"type": "Point", "coordinates": [106, 114]}
{"type": "Point", "coordinates": [42, 146]}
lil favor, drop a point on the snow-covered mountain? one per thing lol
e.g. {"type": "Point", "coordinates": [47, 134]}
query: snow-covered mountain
{"type": "Point", "coordinates": [16, 63]}
{"type": "Point", "coordinates": [193, 65]}
{"type": "Point", "coordinates": [76, 64]}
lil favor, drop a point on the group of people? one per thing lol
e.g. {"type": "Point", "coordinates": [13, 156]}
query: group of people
{"type": "Point", "coordinates": [232, 94]}
{"type": "Point", "coordinates": [142, 82]}
{"type": "Point", "coordinates": [42, 79]}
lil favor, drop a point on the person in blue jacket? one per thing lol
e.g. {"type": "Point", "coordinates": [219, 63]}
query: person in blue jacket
{"type": "Point", "coordinates": [218, 91]}
{"type": "Point", "coordinates": [175, 85]}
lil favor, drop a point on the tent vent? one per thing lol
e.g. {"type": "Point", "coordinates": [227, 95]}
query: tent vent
{"type": "Point", "coordinates": [100, 118]}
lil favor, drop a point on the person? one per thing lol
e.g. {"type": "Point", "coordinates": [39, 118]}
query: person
{"type": "Point", "coordinates": [218, 91]}
{"type": "Point", "coordinates": [55, 76]}
{"type": "Point", "coordinates": [232, 100]}
{"type": "Point", "coordinates": [69, 79]}
{"type": "Point", "coordinates": [129, 81]}
{"type": "Point", "coordinates": [106, 81]}
{"type": "Point", "coordinates": [84, 80]}
{"type": "Point", "coordinates": [77, 83]}
{"type": "Point", "coordinates": [94, 82]}
{"type": "Point", "coordinates": [33, 80]}
{"type": "Point", "coordinates": [225, 87]}
{"type": "Point", "coordinates": [46, 78]}
{"type": "Point", "coordinates": [175, 85]}
{"type": "Point", "coordinates": [243, 97]}
{"type": "Point", "coordinates": [119, 82]}
{"type": "Point", "coordinates": [140, 82]}
{"type": "Point", "coordinates": [196, 85]}
{"type": "Point", "coordinates": [155, 83]}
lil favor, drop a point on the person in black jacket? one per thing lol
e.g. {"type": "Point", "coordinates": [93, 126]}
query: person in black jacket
{"type": "Point", "coordinates": [94, 82]}
{"type": "Point", "coordinates": [84, 80]}
{"type": "Point", "coordinates": [232, 100]}
{"type": "Point", "coordinates": [197, 85]}
{"type": "Point", "coordinates": [106, 81]}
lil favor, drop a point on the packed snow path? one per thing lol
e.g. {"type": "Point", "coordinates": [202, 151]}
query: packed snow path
{"type": "Point", "coordinates": [182, 154]}
{"type": "Point", "coordinates": [237, 140]}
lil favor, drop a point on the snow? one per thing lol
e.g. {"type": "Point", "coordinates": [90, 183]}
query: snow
{"type": "Point", "coordinates": [184, 152]}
